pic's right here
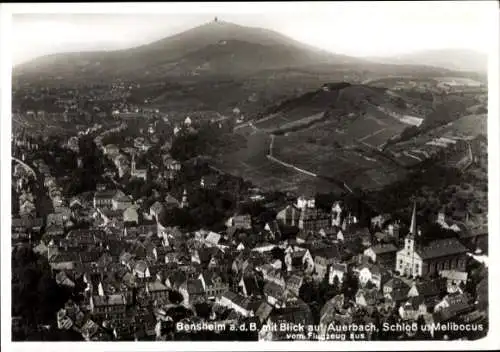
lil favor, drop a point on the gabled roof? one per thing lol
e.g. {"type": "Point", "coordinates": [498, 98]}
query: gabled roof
{"type": "Point", "coordinates": [194, 287]}
{"type": "Point", "coordinates": [157, 207]}
{"type": "Point", "coordinates": [234, 297]}
{"type": "Point", "coordinates": [299, 314]}
{"type": "Point", "coordinates": [263, 311]}
{"type": "Point", "coordinates": [431, 287]}
{"type": "Point", "coordinates": [213, 237]}
{"type": "Point", "coordinates": [295, 281]}
{"type": "Point", "coordinates": [370, 295]}
{"type": "Point", "coordinates": [328, 311]}
{"type": "Point", "coordinates": [121, 197]}
{"type": "Point", "coordinates": [274, 290]}
{"type": "Point", "coordinates": [156, 286]}
{"type": "Point", "coordinates": [111, 300]}
{"type": "Point", "coordinates": [383, 248]}
{"type": "Point", "coordinates": [337, 267]}
{"type": "Point", "coordinates": [251, 285]}
{"type": "Point", "coordinates": [454, 275]}
{"type": "Point", "coordinates": [108, 194]}
{"type": "Point", "coordinates": [442, 248]}
{"type": "Point", "coordinates": [177, 277]}
{"type": "Point", "coordinates": [141, 266]}
{"type": "Point", "coordinates": [331, 252]}
{"type": "Point", "coordinates": [27, 221]}
{"type": "Point", "coordinates": [171, 201]}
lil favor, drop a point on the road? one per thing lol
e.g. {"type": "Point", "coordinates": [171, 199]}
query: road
{"type": "Point", "coordinates": [271, 157]}
{"type": "Point", "coordinates": [26, 166]}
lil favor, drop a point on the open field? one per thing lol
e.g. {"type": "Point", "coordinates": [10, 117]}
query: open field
{"type": "Point", "coordinates": [435, 140]}
{"type": "Point", "coordinates": [459, 81]}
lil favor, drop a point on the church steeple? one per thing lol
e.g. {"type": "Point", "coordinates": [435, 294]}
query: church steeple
{"type": "Point", "coordinates": [413, 225]}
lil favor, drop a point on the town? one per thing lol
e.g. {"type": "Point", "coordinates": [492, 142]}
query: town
{"type": "Point", "coordinates": [119, 234]}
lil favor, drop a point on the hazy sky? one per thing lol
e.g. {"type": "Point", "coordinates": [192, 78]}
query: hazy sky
{"type": "Point", "coordinates": [358, 29]}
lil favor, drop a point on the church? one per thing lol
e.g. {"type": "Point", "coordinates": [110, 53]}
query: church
{"type": "Point", "coordinates": [417, 259]}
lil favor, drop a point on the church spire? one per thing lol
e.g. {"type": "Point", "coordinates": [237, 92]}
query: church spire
{"type": "Point", "coordinates": [413, 225]}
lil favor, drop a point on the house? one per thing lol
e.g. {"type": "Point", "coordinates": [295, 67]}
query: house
{"type": "Point", "coordinates": [171, 202]}
{"type": "Point", "coordinates": [175, 279]}
{"type": "Point", "coordinates": [325, 257]}
{"type": "Point", "coordinates": [170, 163]}
{"type": "Point", "coordinates": [121, 163]}
{"type": "Point", "coordinates": [382, 254]}
{"type": "Point", "coordinates": [140, 231]}
{"type": "Point", "coordinates": [212, 284]}
{"type": "Point", "coordinates": [209, 181]}
{"type": "Point", "coordinates": [289, 216]}
{"type": "Point", "coordinates": [293, 284]}
{"type": "Point", "coordinates": [337, 270]}
{"type": "Point", "coordinates": [104, 199]}
{"type": "Point", "coordinates": [313, 220]}
{"type": "Point", "coordinates": [453, 303]}
{"type": "Point", "coordinates": [192, 291]}
{"type": "Point", "coordinates": [156, 290]}
{"type": "Point", "coordinates": [413, 308]}
{"type": "Point", "coordinates": [369, 273]}
{"type": "Point", "coordinates": [331, 307]}
{"type": "Point", "coordinates": [380, 220]}
{"type": "Point", "coordinates": [63, 260]}
{"type": "Point", "coordinates": [159, 254]}
{"type": "Point", "coordinates": [396, 290]}
{"type": "Point", "coordinates": [120, 201]}
{"type": "Point", "coordinates": [263, 312]}
{"type": "Point", "coordinates": [111, 150]}
{"type": "Point", "coordinates": [130, 215]}
{"type": "Point", "coordinates": [111, 307]}
{"type": "Point", "coordinates": [141, 269]}
{"type": "Point", "coordinates": [275, 294]}
{"type": "Point", "coordinates": [297, 258]}
{"type": "Point", "coordinates": [89, 329]}
{"type": "Point", "coordinates": [454, 279]}
{"type": "Point", "coordinates": [273, 229]}
{"type": "Point", "coordinates": [272, 274]}
{"type": "Point", "coordinates": [236, 302]}
{"type": "Point", "coordinates": [249, 286]}
{"type": "Point", "coordinates": [60, 218]}
{"type": "Point", "coordinates": [63, 280]}
{"type": "Point", "coordinates": [431, 290]}
{"type": "Point", "coordinates": [298, 314]}
{"type": "Point", "coordinates": [367, 297]}
{"type": "Point", "coordinates": [212, 239]}
{"type": "Point", "coordinates": [155, 210]}
{"type": "Point", "coordinates": [25, 223]}
{"type": "Point", "coordinates": [243, 222]}
{"type": "Point", "coordinates": [424, 259]}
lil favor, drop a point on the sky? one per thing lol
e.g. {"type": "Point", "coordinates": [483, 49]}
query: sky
{"type": "Point", "coordinates": [357, 29]}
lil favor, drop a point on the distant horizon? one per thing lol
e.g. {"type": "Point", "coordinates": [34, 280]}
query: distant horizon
{"type": "Point", "coordinates": [408, 29]}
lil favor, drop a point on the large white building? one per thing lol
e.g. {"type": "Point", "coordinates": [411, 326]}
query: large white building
{"type": "Point", "coordinates": [421, 259]}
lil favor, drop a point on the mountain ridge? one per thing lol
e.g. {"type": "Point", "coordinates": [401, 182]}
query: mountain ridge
{"type": "Point", "coordinates": [452, 59]}
{"type": "Point", "coordinates": [174, 48]}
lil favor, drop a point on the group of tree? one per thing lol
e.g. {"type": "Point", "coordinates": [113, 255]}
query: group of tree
{"type": "Point", "coordinates": [36, 296]}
